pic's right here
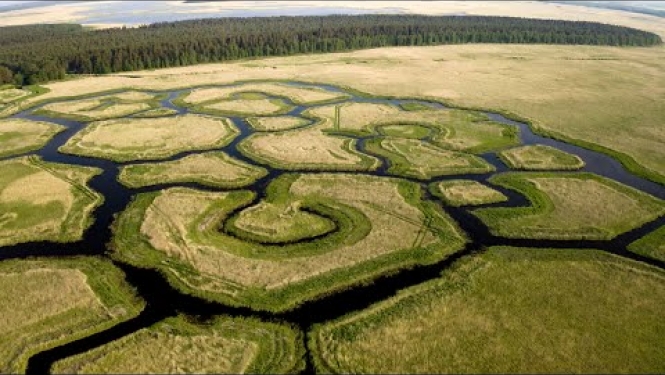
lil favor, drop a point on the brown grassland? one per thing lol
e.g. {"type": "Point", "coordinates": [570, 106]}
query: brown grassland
{"type": "Point", "coordinates": [540, 157]}
{"type": "Point", "coordinates": [19, 136]}
{"type": "Point", "coordinates": [276, 123]}
{"type": "Point", "coordinates": [299, 95]}
{"type": "Point", "coordinates": [466, 193]}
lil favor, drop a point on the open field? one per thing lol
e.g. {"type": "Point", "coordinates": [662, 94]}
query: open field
{"type": "Point", "coordinates": [9, 95]}
{"type": "Point", "coordinates": [101, 107]}
{"type": "Point", "coordinates": [418, 159]}
{"type": "Point", "coordinates": [125, 140]}
{"type": "Point", "coordinates": [210, 168]}
{"type": "Point", "coordinates": [176, 345]}
{"type": "Point", "coordinates": [569, 206]}
{"type": "Point", "coordinates": [157, 112]}
{"type": "Point", "coordinates": [540, 157]}
{"type": "Point", "coordinates": [47, 303]}
{"type": "Point", "coordinates": [466, 193]}
{"type": "Point", "coordinates": [298, 95]}
{"type": "Point", "coordinates": [530, 81]}
{"type": "Point", "coordinates": [651, 245]}
{"type": "Point", "coordinates": [244, 107]}
{"type": "Point", "coordinates": [459, 130]}
{"type": "Point", "coordinates": [307, 149]}
{"type": "Point", "coordinates": [18, 136]}
{"type": "Point", "coordinates": [405, 131]}
{"type": "Point", "coordinates": [382, 225]}
{"type": "Point", "coordinates": [42, 201]}
{"type": "Point", "coordinates": [509, 310]}
{"type": "Point", "coordinates": [277, 123]}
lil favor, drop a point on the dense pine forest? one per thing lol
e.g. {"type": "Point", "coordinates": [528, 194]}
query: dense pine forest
{"type": "Point", "coordinates": [38, 53]}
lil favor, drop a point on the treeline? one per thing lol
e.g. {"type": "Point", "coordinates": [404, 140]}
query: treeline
{"type": "Point", "coordinates": [38, 53]}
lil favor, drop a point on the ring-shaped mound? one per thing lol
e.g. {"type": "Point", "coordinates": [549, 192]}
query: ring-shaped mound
{"type": "Point", "coordinates": [382, 225]}
{"type": "Point", "coordinates": [130, 139]}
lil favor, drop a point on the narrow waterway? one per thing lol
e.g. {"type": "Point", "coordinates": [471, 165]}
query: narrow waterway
{"type": "Point", "coordinates": [163, 300]}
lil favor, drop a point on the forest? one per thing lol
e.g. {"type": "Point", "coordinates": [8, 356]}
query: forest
{"type": "Point", "coordinates": [33, 54]}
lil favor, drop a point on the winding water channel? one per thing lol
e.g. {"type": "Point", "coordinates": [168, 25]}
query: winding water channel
{"type": "Point", "coordinates": [163, 300]}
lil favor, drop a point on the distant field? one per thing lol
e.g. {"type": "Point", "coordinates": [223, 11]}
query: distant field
{"type": "Point", "coordinates": [130, 139]}
{"type": "Point", "coordinates": [210, 168]}
{"type": "Point", "coordinates": [18, 136]}
{"type": "Point", "coordinates": [509, 310]}
{"type": "Point", "coordinates": [381, 225]}
{"type": "Point", "coordinates": [299, 95]}
{"type": "Point", "coordinates": [175, 345]}
{"type": "Point", "coordinates": [42, 201]}
{"type": "Point", "coordinates": [569, 206]}
{"type": "Point", "coordinates": [102, 107]}
{"type": "Point", "coordinates": [47, 303]}
{"type": "Point", "coordinates": [276, 123]}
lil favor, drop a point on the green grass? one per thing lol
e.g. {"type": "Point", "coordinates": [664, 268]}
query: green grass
{"type": "Point", "coordinates": [540, 157]}
{"type": "Point", "coordinates": [18, 136]}
{"type": "Point", "coordinates": [239, 271]}
{"type": "Point", "coordinates": [102, 107]}
{"type": "Point", "coordinates": [458, 193]}
{"type": "Point", "coordinates": [423, 160]}
{"type": "Point", "coordinates": [213, 168]}
{"type": "Point", "coordinates": [43, 201]}
{"type": "Point", "coordinates": [405, 131]}
{"type": "Point", "coordinates": [569, 206]}
{"type": "Point", "coordinates": [652, 245]}
{"type": "Point", "coordinates": [157, 112]}
{"type": "Point", "coordinates": [47, 303]}
{"type": "Point", "coordinates": [509, 310]}
{"type": "Point", "coordinates": [223, 345]}
{"type": "Point", "coordinates": [410, 106]}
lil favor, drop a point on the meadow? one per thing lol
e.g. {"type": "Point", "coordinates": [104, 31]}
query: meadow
{"type": "Point", "coordinates": [223, 345]}
{"type": "Point", "coordinates": [652, 245]}
{"type": "Point", "coordinates": [540, 157]}
{"type": "Point", "coordinates": [18, 136]}
{"type": "Point", "coordinates": [104, 107]}
{"type": "Point", "coordinates": [458, 193]}
{"type": "Point", "coordinates": [508, 310]}
{"type": "Point", "coordinates": [49, 302]}
{"type": "Point", "coordinates": [276, 123]}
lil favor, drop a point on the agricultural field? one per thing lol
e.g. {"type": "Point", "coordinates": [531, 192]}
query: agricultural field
{"type": "Point", "coordinates": [381, 224]}
{"type": "Point", "coordinates": [540, 157]}
{"type": "Point", "coordinates": [509, 310]}
{"type": "Point", "coordinates": [569, 206]}
{"type": "Point", "coordinates": [466, 193]}
{"type": "Point", "coordinates": [213, 168]}
{"type": "Point", "coordinates": [42, 201]}
{"type": "Point", "coordinates": [276, 123]}
{"type": "Point", "coordinates": [128, 139]}
{"type": "Point", "coordinates": [18, 136]}
{"type": "Point", "coordinates": [651, 245]}
{"type": "Point", "coordinates": [414, 158]}
{"type": "Point", "coordinates": [102, 107]}
{"type": "Point", "coordinates": [47, 302]}
{"type": "Point", "coordinates": [177, 345]}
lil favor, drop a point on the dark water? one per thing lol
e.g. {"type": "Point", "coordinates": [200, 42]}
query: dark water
{"type": "Point", "coordinates": [163, 301]}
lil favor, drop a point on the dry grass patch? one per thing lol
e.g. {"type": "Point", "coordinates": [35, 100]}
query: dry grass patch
{"type": "Point", "coordinates": [509, 311]}
{"type": "Point", "coordinates": [298, 95]}
{"type": "Point", "coordinates": [140, 139]}
{"type": "Point", "coordinates": [42, 201]}
{"type": "Point", "coordinates": [245, 107]}
{"type": "Point", "coordinates": [383, 225]}
{"type": "Point", "coordinates": [651, 245]}
{"type": "Point", "coordinates": [211, 168]}
{"type": "Point", "coordinates": [466, 193]}
{"type": "Point", "coordinates": [540, 157]}
{"type": "Point", "coordinates": [570, 206]}
{"type": "Point", "coordinates": [99, 108]}
{"type": "Point", "coordinates": [419, 159]}
{"type": "Point", "coordinates": [47, 303]}
{"type": "Point", "coordinates": [308, 148]}
{"type": "Point", "coordinates": [157, 112]}
{"type": "Point", "coordinates": [277, 123]}
{"type": "Point", "coordinates": [176, 345]}
{"type": "Point", "coordinates": [12, 94]}
{"type": "Point", "coordinates": [18, 136]}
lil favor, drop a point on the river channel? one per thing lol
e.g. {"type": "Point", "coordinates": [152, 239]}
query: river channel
{"type": "Point", "coordinates": [164, 301]}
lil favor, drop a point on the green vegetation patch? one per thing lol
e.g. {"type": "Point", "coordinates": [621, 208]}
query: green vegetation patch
{"type": "Point", "coordinates": [276, 123]}
{"type": "Point", "coordinates": [130, 139]}
{"type": "Point", "coordinates": [48, 303]}
{"type": "Point", "coordinates": [104, 107]}
{"type": "Point", "coordinates": [651, 245]}
{"type": "Point", "coordinates": [176, 345]}
{"type": "Point", "coordinates": [569, 206]}
{"type": "Point", "coordinates": [18, 136]}
{"type": "Point", "coordinates": [466, 193]}
{"type": "Point", "coordinates": [509, 310]}
{"type": "Point", "coordinates": [414, 106]}
{"type": "Point", "coordinates": [405, 131]}
{"type": "Point", "coordinates": [157, 112]}
{"type": "Point", "coordinates": [420, 159]}
{"type": "Point", "coordinates": [540, 157]}
{"type": "Point", "coordinates": [244, 106]}
{"type": "Point", "coordinates": [382, 224]}
{"type": "Point", "coordinates": [42, 201]}
{"type": "Point", "coordinates": [11, 94]}
{"type": "Point", "coordinates": [213, 168]}
{"type": "Point", "coordinates": [307, 149]}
